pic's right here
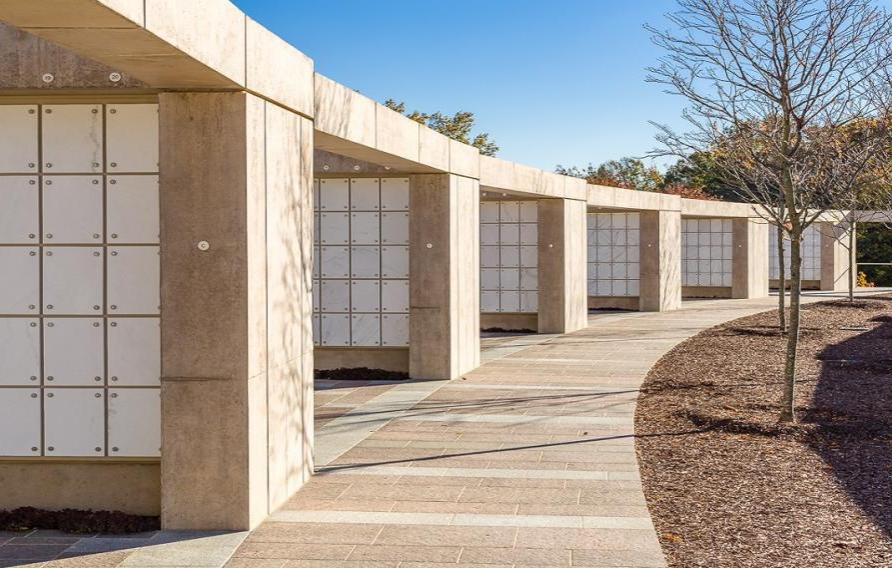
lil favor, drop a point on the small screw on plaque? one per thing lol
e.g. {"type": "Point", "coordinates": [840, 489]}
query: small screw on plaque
{"type": "Point", "coordinates": [47, 77]}
{"type": "Point", "coordinates": [204, 246]}
{"type": "Point", "coordinates": [114, 77]}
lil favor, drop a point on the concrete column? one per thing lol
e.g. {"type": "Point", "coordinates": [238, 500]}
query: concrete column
{"type": "Point", "coordinates": [660, 286]}
{"type": "Point", "coordinates": [236, 228]}
{"type": "Point", "coordinates": [563, 300]}
{"type": "Point", "coordinates": [834, 258]}
{"type": "Point", "coordinates": [444, 276]}
{"type": "Point", "coordinates": [750, 261]}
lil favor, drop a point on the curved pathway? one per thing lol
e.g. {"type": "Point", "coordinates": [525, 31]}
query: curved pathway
{"type": "Point", "coordinates": [527, 461]}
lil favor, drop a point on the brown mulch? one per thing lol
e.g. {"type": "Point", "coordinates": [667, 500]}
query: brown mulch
{"type": "Point", "coordinates": [76, 521]}
{"type": "Point", "coordinates": [359, 374]}
{"type": "Point", "coordinates": [730, 487]}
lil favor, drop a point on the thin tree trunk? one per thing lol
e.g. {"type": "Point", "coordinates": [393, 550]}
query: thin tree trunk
{"type": "Point", "coordinates": [852, 264]}
{"type": "Point", "coordinates": [782, 282]}
{"type": "Point", "coordinates": [788, 409]}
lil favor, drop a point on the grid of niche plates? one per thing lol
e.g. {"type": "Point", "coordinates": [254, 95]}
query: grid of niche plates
{"type": "Point", "coordinates": [361, 268]}
{"type": "Point", "coordinates": [79, 280]}
{"type": "Point", "coordinates": [613, 254]}
{"type": "Point", "coordinates": [707, 252]}
{"type": "Point", "coordinates": [509, 256]}
{"type": "Point", "coordinates": [811, 254]}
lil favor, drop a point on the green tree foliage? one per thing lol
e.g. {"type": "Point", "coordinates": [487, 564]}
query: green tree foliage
{"type": "Point", "coordinates": [875, 245]}
{"type": "Point", "coordinates": [700, 172]}
{"type": "Point", "coordinates": [628, 173]}
{"type": "Point", "coordinates": [632, 173]}
{"type": "Point", "coordinates": [457, 126]}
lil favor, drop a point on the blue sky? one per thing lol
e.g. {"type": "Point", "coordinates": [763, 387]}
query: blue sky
{"type": "Point", "coordinates": [553, 81]}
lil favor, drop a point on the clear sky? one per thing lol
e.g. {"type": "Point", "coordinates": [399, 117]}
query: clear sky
{"type": "Point", "coordinates": [552, 81]}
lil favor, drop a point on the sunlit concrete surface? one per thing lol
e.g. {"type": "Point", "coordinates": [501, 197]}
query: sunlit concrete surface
{"type": "Point", "coordinates": [528, 459]}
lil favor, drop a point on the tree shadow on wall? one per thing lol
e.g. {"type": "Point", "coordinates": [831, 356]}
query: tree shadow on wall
{"type": "Point", "coordinates": [853, 409]}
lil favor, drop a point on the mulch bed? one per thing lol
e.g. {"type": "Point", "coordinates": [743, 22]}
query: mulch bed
{"type": "Point", "coordinates": [76, 521]}
{"type": "Point", "coordinates": [359, 374]}
{"type": "Point", "coordinates": [729, 486]}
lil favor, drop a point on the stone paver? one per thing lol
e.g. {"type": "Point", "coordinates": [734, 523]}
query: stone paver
{"type": "Point", "coordinates": [527, 461]}
{"type": "Point", "coordinates": [53, 549]}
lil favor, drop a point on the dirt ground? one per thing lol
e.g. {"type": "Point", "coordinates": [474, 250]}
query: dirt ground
{"type": "Point", "coordinates": [730, 487]}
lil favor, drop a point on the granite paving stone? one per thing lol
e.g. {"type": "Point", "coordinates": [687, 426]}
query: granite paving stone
{"type": "Point", "coordinates": [526, 461]}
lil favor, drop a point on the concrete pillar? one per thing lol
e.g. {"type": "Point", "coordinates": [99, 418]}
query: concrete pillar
{"type": "Point", "coordinates": [236, 234]}
{"type": "Point", "coordinates": [834, 257]}
{"type": "Point", "coordinates": [750, 258]}
{"type": "Point", "coordinates": [444, 276]}
{"type": "Point", "coordinates": [660, 286]}
{"type": "Point", "coordinates": [563, 299]}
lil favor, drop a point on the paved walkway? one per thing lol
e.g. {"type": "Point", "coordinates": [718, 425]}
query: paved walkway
{"type": "Point", "coordinates": [527, 461]}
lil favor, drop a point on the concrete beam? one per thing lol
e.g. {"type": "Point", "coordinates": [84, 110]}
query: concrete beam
{"type": "Point", "coordinates": [277, 71]}
{"type": "Point", "coordinates": [604, 197]}
{"type": "Point", "coordinates": [526, 181]}
{"type": "Point", "coordinates": [874, 217]}
{"type": "Point", "coordinates": [353, 125]}
{"type": "Point", "coordinates": [26, 58]}
{"type": "Point", "coordinates": [170, 44]}
{"type": "Point", "coordinates": [464, 160]}
{"type": "Point", "coordinates": [328, 164]}
{"type": "Point", "coordinates": [718, 209]}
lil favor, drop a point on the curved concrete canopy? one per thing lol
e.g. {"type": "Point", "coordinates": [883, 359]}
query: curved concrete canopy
{"type": "Point", "coordinates": [211, 44]}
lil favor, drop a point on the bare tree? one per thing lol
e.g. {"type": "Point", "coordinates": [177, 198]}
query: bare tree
{"type": "Point", "coordinates": [782, 272]}
{"type": "Point", "coordinates": [770, 84]}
